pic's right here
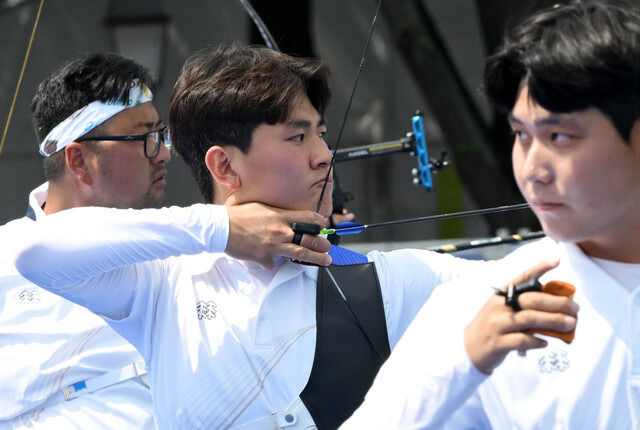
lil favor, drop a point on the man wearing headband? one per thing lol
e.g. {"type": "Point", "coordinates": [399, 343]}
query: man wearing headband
{"type": "Point", "coordinates": [104, 145]}
{"type": "Point", "coordinates": [229, 343]}
{"type": "Point", "coordinates": [63, 366]}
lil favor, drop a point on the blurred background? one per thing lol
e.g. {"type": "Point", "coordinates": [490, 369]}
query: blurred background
{"type": "Point", "coordinates": [425, 55]}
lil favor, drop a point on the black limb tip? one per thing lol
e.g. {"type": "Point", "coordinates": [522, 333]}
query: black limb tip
{"type": "Point", "coordinates": [306, 228]}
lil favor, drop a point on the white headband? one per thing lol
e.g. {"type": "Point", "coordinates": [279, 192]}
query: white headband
{"type": "Point", "coordinates": [90, 116]}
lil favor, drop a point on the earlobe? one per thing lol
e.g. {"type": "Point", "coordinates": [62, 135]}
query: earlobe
{"type": "Point", "coordinates": [219, 162]}
{"type": "Point", "coordinates": [75, 158]}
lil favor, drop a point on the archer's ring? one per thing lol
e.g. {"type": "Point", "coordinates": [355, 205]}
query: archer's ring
{"type": "Point", "coordinates": [510, 297]}
{"type": "Point", "coordinates": [297, 238]}
{"type": "Point", "coordinates": [513, 291]}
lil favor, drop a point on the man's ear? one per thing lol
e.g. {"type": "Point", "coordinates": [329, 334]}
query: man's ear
{"type": "Point", "coordinates": [219, 162]}
{"type": "Point", "coordinates": [77, 162]}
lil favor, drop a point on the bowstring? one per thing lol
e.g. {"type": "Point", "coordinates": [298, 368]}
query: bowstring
{"type": "Point", "coordinates": [24, 66]}
{"type": "Point", "coordinates": [346, 113]}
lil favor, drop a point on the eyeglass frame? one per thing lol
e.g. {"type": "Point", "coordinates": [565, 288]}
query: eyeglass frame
{"type": "Point", "coordinates": [164, 136]}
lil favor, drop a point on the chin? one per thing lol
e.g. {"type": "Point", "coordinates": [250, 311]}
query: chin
{"type": "Point", "coordinates": [563, 234]}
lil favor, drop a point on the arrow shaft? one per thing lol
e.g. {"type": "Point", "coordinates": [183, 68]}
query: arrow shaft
{"type": "Point", "coordinates": [436, 217]}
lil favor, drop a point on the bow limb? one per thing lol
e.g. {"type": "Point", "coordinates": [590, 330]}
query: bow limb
{"type": "Point", "coordinates": [346, 113]}
{"type": "Point", "coordinates": [24, 66]}
{"type": "Point", "coordinates": [264, 31]}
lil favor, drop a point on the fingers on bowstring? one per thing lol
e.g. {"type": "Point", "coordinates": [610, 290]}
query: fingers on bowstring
{"type": "Point", "coordinates": [307, 249]}
{"type": "Point", "coordinates": [301, 254]}
{"type": "Point", "coordinates": [315, 243]}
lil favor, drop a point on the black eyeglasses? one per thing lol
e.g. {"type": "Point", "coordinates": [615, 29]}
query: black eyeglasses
{"type": "Point", "coordinates": [151, 140]}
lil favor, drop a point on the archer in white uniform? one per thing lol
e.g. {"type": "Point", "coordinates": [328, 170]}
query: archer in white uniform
{"type": "Point", "coordinates": [430, 382]}
{"type": "Point", "coordinates": [104, 145]}
{"type": "Point", "coordinates": [569, 78]}
{"type": "Point", "coordinates": [228, 343]}
{"type": "Point", "coordinates": [62, 366]}
{"type": "Point", "coordinates": [48, 343]}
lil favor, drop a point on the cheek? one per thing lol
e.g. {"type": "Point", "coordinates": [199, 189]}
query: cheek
{"type": "Point", "coordinates": [279, 174]}
{"type": "Point", "coordinates": [135, 172]}
{"type": "Point", "coordinates": [290, 169]}
{"type": "Point", "coordinates": [583, 177]}
{"type": "Point", "coordinates": [278, 183]}
{"type": "Point", "coordinates": [591, 191]}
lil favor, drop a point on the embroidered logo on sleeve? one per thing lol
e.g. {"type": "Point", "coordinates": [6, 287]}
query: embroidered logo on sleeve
{"type": "Point", "coordinates": [29, 296]}
{"type": "Point", "coordinates": [207, 310]}
{"type": "Point", "coordinates": [555, 361]}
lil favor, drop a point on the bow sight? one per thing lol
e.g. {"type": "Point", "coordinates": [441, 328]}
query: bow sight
{"type": "Point", "coordinates": [414, 143]}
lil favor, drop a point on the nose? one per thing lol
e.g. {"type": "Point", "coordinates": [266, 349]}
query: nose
{"type": "Point", "coordinates": [321, 156]}
{"type": "Point", "coordinates": [164, 154]}
{"type": "Point", "coordinates": [536, 163]}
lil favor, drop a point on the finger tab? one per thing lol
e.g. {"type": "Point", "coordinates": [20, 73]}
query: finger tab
{"type": "Point", "coordinates": [559, 288]}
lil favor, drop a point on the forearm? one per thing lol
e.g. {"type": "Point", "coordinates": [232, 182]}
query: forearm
{"type": "Point", "coordinates": [81, 243]}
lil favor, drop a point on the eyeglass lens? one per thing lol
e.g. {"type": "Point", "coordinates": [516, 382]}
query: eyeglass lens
{"type": "Point", "coordinates": [154, 139]}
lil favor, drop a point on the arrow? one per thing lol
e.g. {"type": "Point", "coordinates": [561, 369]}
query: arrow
{"type": "Point", "coordinates": [351, 228]}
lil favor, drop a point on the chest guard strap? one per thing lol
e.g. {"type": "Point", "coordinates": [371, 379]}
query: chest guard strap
{"type": "Point", "coordinates": [351, 344]}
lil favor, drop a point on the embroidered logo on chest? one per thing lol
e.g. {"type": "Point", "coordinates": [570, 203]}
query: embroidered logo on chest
{"type": "Point", "coordinates": [29, 297]}
{"type": "Point", "coordinates": [554, 361]}
{"type": "Point", "coordinates": [207, 310]}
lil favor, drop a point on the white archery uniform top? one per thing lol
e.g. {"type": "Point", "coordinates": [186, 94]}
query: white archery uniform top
{"type": "Point", "coordinates": [593, 383]}
{"type": "Point", "coordinates": [48, 343]}
{"type": "Point", "coordinates": [226, 343]}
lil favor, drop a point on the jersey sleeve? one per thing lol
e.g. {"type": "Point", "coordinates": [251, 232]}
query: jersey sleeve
{"type": "Point", "coordinates": [408, 277]}
{"type": "Point", "coordinates": [98, 257]}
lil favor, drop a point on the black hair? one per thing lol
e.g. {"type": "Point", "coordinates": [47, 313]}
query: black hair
{"type": "Point", "coordinates": [224, 93]}
{"type": "Point", "coordinates": [572, 57]}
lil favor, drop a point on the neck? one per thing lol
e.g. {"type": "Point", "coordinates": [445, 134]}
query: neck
{"type": "Point", "coordinates": [61, 197]}
{"type": "Point", "coordinates": [622, 252]}
{"type": "Point", "coordinates": [221, 195]}
{"type": "Point", "coordinates": [622, 246]}
{"type": "Point", "coordinates": [227, 197]}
